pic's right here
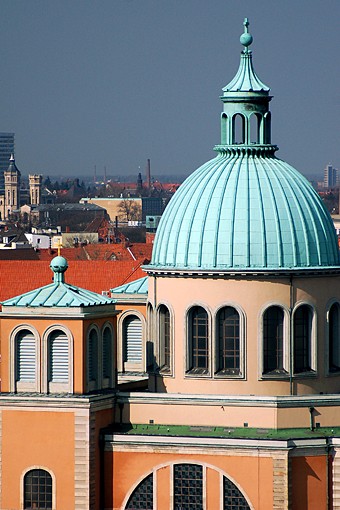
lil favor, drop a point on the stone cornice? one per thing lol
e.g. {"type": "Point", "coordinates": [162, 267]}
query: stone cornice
{"type": "Point", "coordinates": [232, 400]}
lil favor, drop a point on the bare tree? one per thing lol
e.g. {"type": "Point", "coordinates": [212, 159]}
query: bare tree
{"type": "Point", "coordinates": [129, 210]}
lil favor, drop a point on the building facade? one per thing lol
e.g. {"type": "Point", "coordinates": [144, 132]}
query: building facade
{"type": "Point", "coordinates": [235, 330]}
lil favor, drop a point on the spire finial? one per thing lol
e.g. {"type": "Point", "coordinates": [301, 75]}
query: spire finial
{"type": "Point", "coordinates": [246, 38]}
{"type": "Point", "coordinates": [59, 246]}
{"type": "Point", "coordinates": [58, 266]}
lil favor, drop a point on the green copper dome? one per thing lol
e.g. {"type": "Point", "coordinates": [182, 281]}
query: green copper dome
{"type": "Point", "coordinates": [245, 209]}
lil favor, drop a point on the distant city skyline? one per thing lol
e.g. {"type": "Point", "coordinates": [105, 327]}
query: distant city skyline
{"type": "Point", "coordinates": [116, 82]}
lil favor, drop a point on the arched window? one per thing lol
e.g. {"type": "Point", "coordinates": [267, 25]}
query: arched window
{"type": "Point", "coordinates": [150, 341]}
{"type": "Point", "coordinates": [92, 359]}
{"type": "Point", "coordinates": [188, 486]}
{"type": "Point", "coordinates": [233, 498]}
{"type": "Point", "coordinates": [273, 355]}
{"type": "Point", "coordinates": [25, 360]}
{"type": "Point", "coordinates": [254, 128]}
{"type": "Point", "coordinates": [164, 338]}
{"type": "Point", "coordinates": [224, 130]}
{"type": "Point", "coordinates": [238, 129]}
{"type": "Point", "coordinates": [142, 496]}
{"type": "Point", "coordinates": [334, 338]}
{"type": "Point", "coordinates": [38, 490]}
{"type": "Point", "coordinates": [107, 355]}
{"type": "Point", "coordinates": [267, 127]}
{"type": "Point", "coordinates": [198, 341]}
{"type": "Point", "coordinates": [132, 339]}
{"type": "Point", "coordinates": [58, 358]}
{"type": "Point", "coordinates": [303, 339]}
{"type": "Point", "coordinates": [228, 337]}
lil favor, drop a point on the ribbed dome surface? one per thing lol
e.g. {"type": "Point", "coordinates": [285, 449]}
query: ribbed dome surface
{"type": "Point", "coordinates": [245, 212]}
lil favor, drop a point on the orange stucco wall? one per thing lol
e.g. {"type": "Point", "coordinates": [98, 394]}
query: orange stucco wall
{"type": "Point", "coordinates": [102, 419]}
{"type": "Point", "coordinates": [37, 439]}
{"type": "Point", "coordinates": [78, 329]}
{"type": "Point", "coordinates": [309, 483]}
{"type": "Point", "coordinates": [252, 474]}
{"type": "Point", "coordinates": [251, 297]}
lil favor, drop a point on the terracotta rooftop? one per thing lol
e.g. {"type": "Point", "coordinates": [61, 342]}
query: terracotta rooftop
{"type": "Point", "coordinates": [19, 276]}
{"type": "Point", "coordinates": [141, 251]}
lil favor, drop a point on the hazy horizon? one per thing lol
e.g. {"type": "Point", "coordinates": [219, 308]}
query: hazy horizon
{"type": "Point", "coordinates": [115, 82]}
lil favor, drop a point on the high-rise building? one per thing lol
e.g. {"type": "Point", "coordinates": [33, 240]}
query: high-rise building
{"type": "Point", "coordinates": [330, 176]}
{"type": "Point", "coordinates": [6, 149]}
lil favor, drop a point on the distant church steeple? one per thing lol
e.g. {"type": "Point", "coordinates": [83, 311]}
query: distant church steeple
{"type": "Point", "coordinates": [12, 188]}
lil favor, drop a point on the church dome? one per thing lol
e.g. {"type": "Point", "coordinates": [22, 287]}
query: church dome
{"type": "Point", "coordinates": [245, 209]}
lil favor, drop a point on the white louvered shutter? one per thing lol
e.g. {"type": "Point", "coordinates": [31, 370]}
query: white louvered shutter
{"type": "Point", "coordinates": [133, 340]}
{"type": "Point", "coordinates": [26, 357]}
{"type": "Point", "coordinates": [59, 357]}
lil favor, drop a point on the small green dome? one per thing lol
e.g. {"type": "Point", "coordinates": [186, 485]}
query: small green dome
{"type": "Point", "coordinates": [59, 264]}
{"type": "Point", "coordinates": [245, 212]}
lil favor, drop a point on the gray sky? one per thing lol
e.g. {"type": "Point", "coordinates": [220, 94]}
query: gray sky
{"type": "Point", "coordinates": [114, 82]}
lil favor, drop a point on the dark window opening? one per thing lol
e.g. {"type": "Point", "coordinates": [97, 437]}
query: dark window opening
{"type": "Point", "coordinates": [142, 496]}
{"type": "Point", "coordinates": [188, 487]}
{"type": "Point", "coordinates": [165, 339]}
{"type": "Point", "coordinates": [233, 499]}
{"type": "Point", "coordinates": [273, 361]}
{"type": "Point", "coordinates": [198, 341]}
{"type": "Point", "coordinates": [302, 339]}
{"type": "Point", "coordinates": [334, 339]}
{"type": "Point", "coordinates": [228, 323]}
{"type": "Point", "coordinates": [38, 490]}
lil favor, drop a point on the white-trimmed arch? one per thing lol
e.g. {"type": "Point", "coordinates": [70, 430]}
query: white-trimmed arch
{"type": "Point", "coordinates": [123, 366]}
{"type": "Point", "coordinates": [313, 337]}
{"type": "Point", "coordinates": [54, 484]}
{"type": "Point", "coordinates": [187, 337]}
{"type": "Point", "coordinates": [170, 465]}
{"type": "Point", "coordinates": [169, 306]}
{"type": "Point", "coordinates": [286, 339]}
{"type": "Point", "coordinates": [243, 339]}
{"type": "Point", "coordinates": [12, 365]}
{"type": "Point", "coordinates": [49, 387]}
{"type": "Point", "coordinates": [331, 302]}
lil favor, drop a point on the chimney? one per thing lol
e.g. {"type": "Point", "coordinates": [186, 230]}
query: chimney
{"type": "Point", "coordinates": [148, 175]}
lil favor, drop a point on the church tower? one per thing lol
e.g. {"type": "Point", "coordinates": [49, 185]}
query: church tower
{"type": "Point", "coordinates": [35, 181]}
{"type": "Point", "coordinates": [12, 188]}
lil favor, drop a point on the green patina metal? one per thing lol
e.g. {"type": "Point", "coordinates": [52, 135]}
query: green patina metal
{"type": "Point", "coordinates": [59, 294]}
{"type": "Point", "coordinates": [245, 209]}
{"type": "Point", "coordinates": [139, 286]}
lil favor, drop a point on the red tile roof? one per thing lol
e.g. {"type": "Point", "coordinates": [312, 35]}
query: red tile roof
{"type": "Point", "coordinates": [141, 251]}
{"type": "Point", "coordinates": [17, 277]}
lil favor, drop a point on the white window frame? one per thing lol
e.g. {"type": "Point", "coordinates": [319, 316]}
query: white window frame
{"type": "Point", "coordinates": [313, 339]}
{"type": "Point", "coordinates": [58, 387]}
{"type": "Point", "coordinates": [54, 484]}
{"type": "Point", "coordinates": [18, 386]}
{"type": "Point", "coordinates": [243, 336]}
{"type": "Point", "coordinates": [327, 334]}
{"type": "Point", "coordinates": [188, 347]}
{"type": "Point", "coordinates": [124, 366]}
